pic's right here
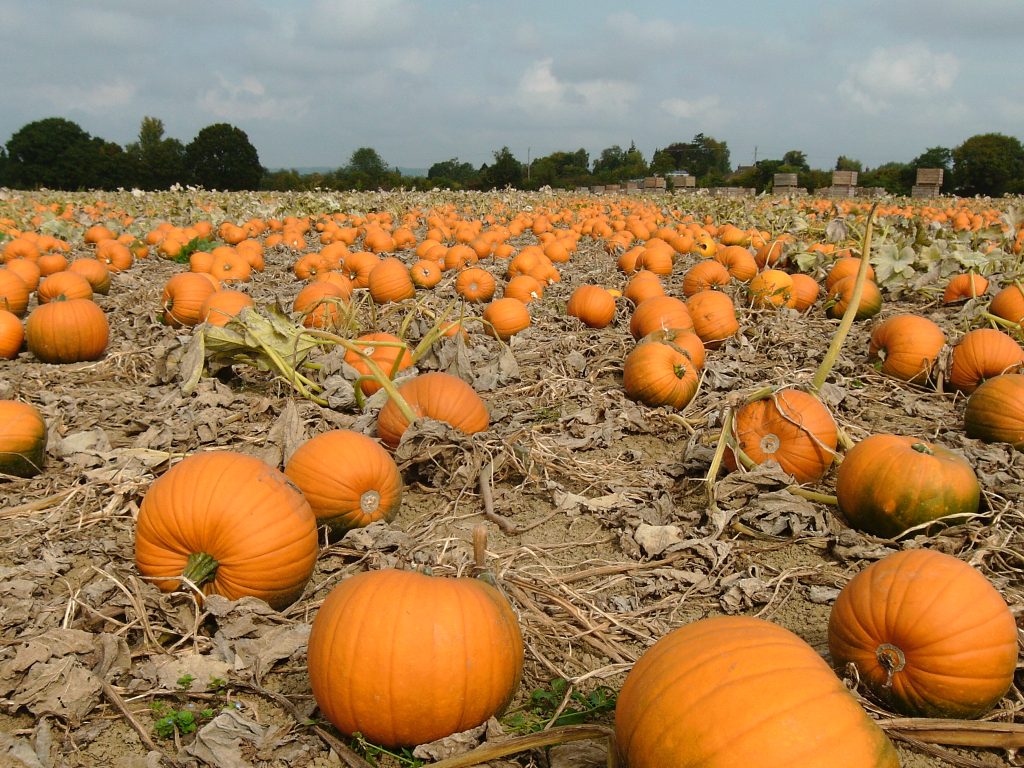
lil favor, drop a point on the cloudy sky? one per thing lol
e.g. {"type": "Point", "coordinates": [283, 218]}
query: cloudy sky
{"type": "Point", "coordinates": [422, 81]}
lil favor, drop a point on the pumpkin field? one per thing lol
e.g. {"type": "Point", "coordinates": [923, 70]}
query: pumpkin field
{"type": "Point", "coordinates": [511, 479]}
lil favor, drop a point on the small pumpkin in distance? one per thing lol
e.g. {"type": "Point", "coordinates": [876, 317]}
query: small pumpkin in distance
{"type": "Point", "coordinates": [732, 691]}
{"type": "Point", "coordinates": [22, 439]}
{"type": "Point", "coordinates": [887, 484]}
{"type": "Point", "coordinates": [348, 479]}
{"type": "Point", "coordinates": [381, 639]}
{"type": "Point", "coordinates": [593, 305]}
{"type": "Point", "coordinates": [922, 656]}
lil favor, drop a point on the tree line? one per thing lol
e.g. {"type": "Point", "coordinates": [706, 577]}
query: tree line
{"type": "Point", "coordinates": [58, 154]}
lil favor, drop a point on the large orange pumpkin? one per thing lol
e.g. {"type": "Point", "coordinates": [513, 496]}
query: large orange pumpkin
{"type": "Point", "coordinates": [183, 298]}
{"type": "Point", "coordinates": [734, 691]}
{"type": "Point", "coordinates": [22, 439]}
{"type": "Point", "coordinates": [12, 335]}
{"type": "Point", "coordinates": [907, 345]}
{"type": "Point", "coordinates": [657, 374]}
{"type": "Point", "coordinates": [982, 354]}
{"type": "Point", "coordinates": [927, 633]}
{"type": "Point", "coordinates": [387, 351]}
{"type": "Point", "coordinates": [67, 331]}
{"type": "Point", "coordinates": [435, 395]}
{"type": "Point", "coordinates": [404, 658]}
{"type": "Point", "coordinates": [505, 317]}
{"type": "Point", "coordinates": [791, 428]}
{"type": "Point", "coordinates": [659, 313]}
{"type": "Point", "coordinates": [995, 411]}
{"type": "Point", "coordinates": [231, 525]}
{"type": "Point", "coordinates": [347, 478]}
{"type": "Point", "coordinates": [593, 305]}
{"type": "Point", "coordinates": [714, 317]}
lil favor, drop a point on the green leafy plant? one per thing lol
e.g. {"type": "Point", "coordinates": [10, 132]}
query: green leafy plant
{"type": "Point", "coordinates": [193, 245]}
{"type": "Point", "coordinates": [373, 753]}
{"type": "Point", "coordinates": [544, 708]}
{"type": "Point", "coordinates": [171, 721]}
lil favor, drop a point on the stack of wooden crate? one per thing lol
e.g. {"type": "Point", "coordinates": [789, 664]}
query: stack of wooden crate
{"type": "Point", "coordinates": [784, 184]}
{"type": "Point", "coordinates": [844, 184]}
{"type": "Point", "coordinates": [929, 181]}
{"type": "Point", "coordinates": [683, 181]}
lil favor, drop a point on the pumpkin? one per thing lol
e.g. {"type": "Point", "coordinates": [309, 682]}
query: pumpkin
{"type": "Point", "coordinates": [714, 317]}
{"type": "Point", "coordinates": [656, 258]}
{"type": "Point", "coordinates": [388, 352]}
{"type": "Point", "coordinates": [67, 331]}
{"type": "Point", "coordinates": [505, 317]}
{"type": "Point", "coordinates": [231, 525]}
{"type": "Point", "coordinates": [982, 354]}
{"type": "Point", "coordinates": [22, 439]}
{"type": "Point", "coordinates": [771, 288]}
{"type": "Point", "coordinates": [26, 270]}
{"type": "Point", "coordinates": [705, 275]}
{"type": "Point", "coordinates": [223, 305]}
{"type": "Point", "coordinates": [907, 346]}
{"type": "Point", "coordinates": [733, 691]}
{"type": "Point", "coordinates": [805, 291]}
{"type": "Point", "coordinates": [425, 273]}
{"type": "Point", "coordinates": [320, 305]}
{"type": "Point", "coordinates": [791, 428]}
{"type": "Point", "coordinates": [1009, 304]}
{"type": "Point", "coordinates": [739, 262]}
{"type": "Point", "coordinates": [643, 285]}
{"type": "Point", "coordinates": [435, 395]}
{"type": "Point", "coordinates": [846, 266]}
{"type": "Point", "coordinates": [359, 264]}
{"type": "Point", "coordinates": [14, 292]}
{"type": "Point", "coordinates": [12, 335]}
{"type": "Point", "coordinates": [966, 285]}
{"type": "Point", "coordinates": [51, 263]}
{"type": "Point", "coordinates": [338, 280]}
{"type": "Point", "coordinates": [685, 340]}
{"type": "Point", "coordinates": [593, 305]}
{"type": "Point", "coordinates": [347, 478]}
{"type": "Point", "coordinates": [523, 288]}
{"type": "Point", "coordinates": [116, 256]}
{"type": "Point", "coordinates": [63, 285]}
{"type": "Point", "coordinates": [927, 633]}
{"type": "Point", "coordinates": [838, 297]}
{"type": "Point", "coordinates": [659, 313]}
{"type": "Point", "coordinates": [404, 658]}
{"type": "Point", "coordinates": [658, 374]}
{"type": "Point", "coordinates": [94, 271]}
{"type": "Point", "coordinates": [475, 284]}
{"type": "Point", "coordinates": [183, 298]}
{"type": "Point", "coordinates": [995, 411]}
{"type": "Point", "coordinates": [889, 483]}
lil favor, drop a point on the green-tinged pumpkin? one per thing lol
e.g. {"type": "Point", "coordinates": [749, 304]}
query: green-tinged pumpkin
{"type": "Point", "coordinates": [435, 395]}
{"type": "Point", "coordinates": [791, 428]}
{"type": "Point", "coordinates": [657, 374]}
{"type": "Point", "coordinates": [22, 439]}
{"type": "Point", "coordinates": [348, 479]}
{"type": "Point", "coordinates": [67, 331]}
{"type": "Point", "coordinates": [887, 484]}
{"type": "Point", "coordinates": [995, 411]}
{"type": "Point", "coordinates": [404, 658]}
{"type": "Point", "coordinates": [928, 635]}
{"type": "Point", "coordinates": [231, 525]}
{"type": "Point", "coordinates": [734, 691]}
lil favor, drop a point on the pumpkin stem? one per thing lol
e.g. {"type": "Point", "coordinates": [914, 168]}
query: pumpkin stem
{"type": "Point", "coordinates": [923, 448]}
{"type": "Point", "coordinates": [480, 555]}
{"type": "Point", "coordinates": [846, 323]}
{"type": "Point", "coordinates": [200, 568]}
{"type": "Point", "coordinates": [892, 660]}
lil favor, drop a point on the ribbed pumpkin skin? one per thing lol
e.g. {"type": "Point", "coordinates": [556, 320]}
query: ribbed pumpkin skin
{"type": "Point", "coordinates": [12, 335]}
{"type": "Point", "coordinates": [71, 331]}
{"type": "Point", "coordinates": [22, 439]}
{"type": "Point", "coordinates": [506, 317]}
{"type": "Point", "coordinates": [384, 355]}
{"type": "Point", "coordinates": [435, 395]}
{"type": "Point", "coordinates": [390, 281]}
{"type": "Point", "coordinates": [244, 513]}
{"type": "Point", "coordinates": [405, 658]}
{"type": "Point", "coordinates": [1009, 304]}
{"type": "Point", "coordinates": [982, 354]}
{"type": "Point", "coordinates": [347, 478]}
{"type": "Point", "coordinates": [659, 313]}
{"type": "Point", "coordinates": [658, 374]}
{"type": "Point", "coordinates": [908, 346]}
{"type": "Point", "coordinates": [938, 618]}
{"type": "Point", "coordinates": [183, 297]}
{"type": "Point", "coordinates": [714, 317]}
{"type": "Point", "coordinates": [889, 483]}
{"type": "Point", "coordinates": [995, 411]}
{"type": "Point", "coordinates": [736, 691]}
{"type": "Point", "coordinates": [793, 429]}
{"type": "Point", "coordinates": [840, 293]}
{"type": "Point", "coordinates": [592, 305]}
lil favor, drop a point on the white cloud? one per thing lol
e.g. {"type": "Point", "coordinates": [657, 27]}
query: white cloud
{"type": "Point", "coordinates": [248, 99]}
{"type": "Point", "coordinates": [895, 75]}
{"type": "Point", "coordinates": [359, 22]}
{"type": "Point", "coordinates": [542, 92]}
{"type": "Point", "coordinates": [707, 109]}
{"type": "Point", "coordinates": [93, 99]}
{"type": "Point", "coordinates": [628, 29]}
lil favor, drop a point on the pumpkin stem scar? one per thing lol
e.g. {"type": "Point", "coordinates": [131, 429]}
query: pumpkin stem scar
{"type": "Point", "coordinates": [200, 568]}
{"type": "Point", "coordinates": [892, 660]}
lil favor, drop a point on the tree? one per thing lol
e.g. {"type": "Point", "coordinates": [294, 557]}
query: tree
{"type": "Point", "coordinates": [609, 162]}
{"type": "Point", "coordinates": [451, 173]}
{"type": "Point", "coordinates": [221, 157]}
{"type": "Point", "coordinates": [844, 163]}
{"type": "Point", "coordinates": [366, 169]}
{"type": "Point", "coordinates": [560, 169]}
{"type": "Point", "coordinates": [796, 159]}
{"type": "Point", "coordinates": [895, 178]}
{"type": "Point", "coordinates": [506, 171]}
{"type": "Point", "coordinates": [52, 152]}
{"type": "Point", "coordinates": [989, 164]}
{"type": "Point", "coordinates": [934, 157]}
{"type": "Point", "coordinates": [704, 157]}
{"type": "Point", "coordinates": [159, 162]}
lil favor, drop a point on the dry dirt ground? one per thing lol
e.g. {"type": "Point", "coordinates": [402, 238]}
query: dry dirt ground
{"type": "Point", "coordinates": [602, 536]}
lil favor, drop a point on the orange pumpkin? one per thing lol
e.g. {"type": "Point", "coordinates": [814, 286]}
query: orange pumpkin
{"type": "Point", "coordinates": [183, 298]}
{"type": "Point", "coordinates": [229, 524]}
{"type": "Point", "coordinates": [907, 345]}
{"type": "Point", "coordinates": [593, 305]}
{"type": "Point", "coordinates": [505, 317]}
{"type": "Point", "coordinates": [523, 288]}
{"type": "Point", "coordinates": [383, 638]}
{"type": "Point", "coordinates": [14, 293]}
{"type": "Point", "coordinates": [390, 281]}
{"type": "Point", "coordinates": [434, 395]}
{"type": "Point", "coordinates": [12, 335]}
{"type": "Point", "coordinates": [67, 331]}
{"type": "Point", "coordinates": [347, 478]}
{"type": "Point", "coordinates": [221, 306]}
{"type": "Point", "coordinates": [708, 274]}
{"type": "Point", "coordinates": [643, 285]}
{"type": "Point", "coordinates": [791, 428]}
{"type": "Point", "coordinates": [63, 285]}
{"type": "Point", "coordinates": [995, 411]}
{"type": "Point", "coordinates": [966, 285]}
{"type": "Point", "coordinates": [1009, 304]}
{"type": "Point", "coordinates": [658, 374]}
{"type": "Point", "coordinates": [22, 439]}
{"type": "Point", "coordinates": [805, 291]}
{"type": "Point", "coordinates": [388, 352]}
{"type": "Point", "coordinates": [714, 317]}
{"type": "Point", "coordinates": [659, 313]}
{"type": "Point", "coordinates": [840, 293]}
{"type": "Point", "coordinates": [927, 633]}
{"type": "Point", "coordinates": [982, 354]}
{"type": "Point", "coordinates": [771, 288]}
{"type": "Point", "coordinates": [733, 691]}
{"type": "Point", "coordinates": [475, 284]}
{"type": "Point", "coordinates": [95, 272]}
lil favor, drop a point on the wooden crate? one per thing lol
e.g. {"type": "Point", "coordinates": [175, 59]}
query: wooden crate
{"type": "Point", "coordinates": [684, 182]}
{"type": "Point", "coordinates": [844, 178]}
{"type": "Point", "coordinates": [597, 189]}
{"type": "Point", "coordinates": [787, 190]}
{"type": "Point", "coordinates": [784, 180]}
{"type": "Point", "coordinates": [929, 177]}
{"type": "Point", "coordinates": [611, 187]}
{"type": "Point", "coordinates": [925, 190]}
{"type": "Point", "coordinates": [841, 190]}
{"type": "Point", "coordinates": [654, 182]}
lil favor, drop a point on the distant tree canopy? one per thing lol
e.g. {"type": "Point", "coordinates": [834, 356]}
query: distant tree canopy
{"type": "Point", "coordinates": [703, 157]}
{"type": "Point", "coordinates": [989, 164]}
{"type": "Point", "coordinates": [505, 172]}
{"type": "Point", "coordinates": [844, 163]}
{"type": "Point", "coordinates": [159, 162]}
{"type": "Point", "coordinates": [54, 153]}
{"type": "Point", "coordinates": [570, 169]}
{"type": "Point", "coordinates": [452, 174]}
{"type": "Point", "coordinates": [221, 157]}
